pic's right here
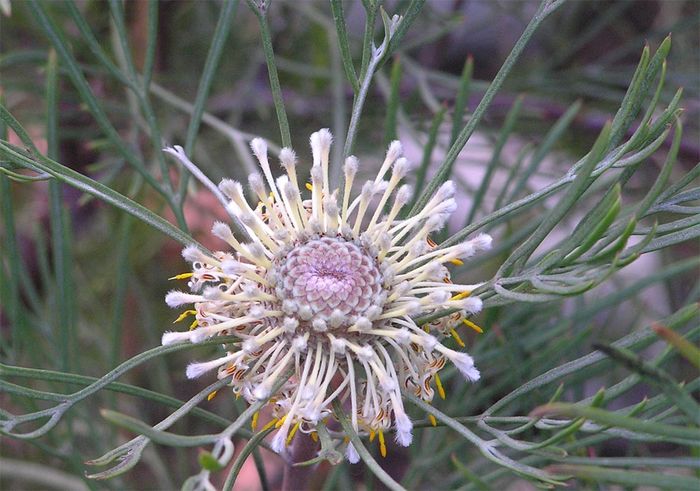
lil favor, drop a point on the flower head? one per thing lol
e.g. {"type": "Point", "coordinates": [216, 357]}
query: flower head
{"type": "Point", "coordinates": [328, 287]}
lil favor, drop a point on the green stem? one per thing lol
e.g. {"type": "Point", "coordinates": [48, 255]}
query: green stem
{"type": "Point", "coordinates": [260, 12]}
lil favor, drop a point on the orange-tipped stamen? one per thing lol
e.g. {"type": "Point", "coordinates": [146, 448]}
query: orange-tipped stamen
{"type": "Point", "coordinates": [382, 445]}
{"type": "Point", "coordinates": [181, 276]}
{"type": "Point", "coordinates": [309, 186]}
{"type": "Point", "coordinates": [194, 324]}
{"type": "Point", "coordinates": [456, 337]}
{"type": "Point", "coordinates": [473, 326]}
{"type": "Point", "coordinates": [254, 421]}
{"type": "Point", "coordinates": [432, 419]}
{"type": "Point", "coordinates": [314, 436]}
{"type": "Point", "coordinates": [457, 262]}
{"type": "Point", "coordinates": [292, 432]}
{"type": "Point", "coordinates": [281, 421]}
{"type": "Point", "coordinates": [270, 424]}
{"type": "Point", "coordinates": [462, 295]}
{"type": "Point", "coordinates": [184, 315]}
{"type": "Point", "coordinates": [372, 435]}
{"type": "Point", "coordinates": [440, 388]}
{"type": "Point", "coordinates": [212, 395]}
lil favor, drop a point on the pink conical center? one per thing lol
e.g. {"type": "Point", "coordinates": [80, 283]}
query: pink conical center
{"type": "Point", "coordinates": [330, 274]}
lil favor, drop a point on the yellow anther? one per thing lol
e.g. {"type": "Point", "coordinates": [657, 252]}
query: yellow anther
{"type": "Point", "coordinates": [184, 315]}
{"type": "Point", "coordinates": [181, 276]}
{"type": "Point", "coordinates": [254, 421]}
{"type": "Point", "coordinates": [432, 419]}
{"type": "Point", "coordinates": [314, 436]}
{"type": "Point", "coordinates": [291, 433]}
{"type": "Point", "coordinates": [382, 445]}
{"type": "Point", "coordinates": [457, 339]}
{"type": "Point", "coordinates": [270, 424]}
{"type": "Point", "coordinates": [426, 327]}
{"type": "Point", "coordinates": [194, 324]}
{"type": "Point", "coordinates": [281, 421]}
{"type": "Point", "coordinates": [473, 326]}
{"type": "Point", "coordinates": [462, 295]}
{"type": "Point", "coordinates": [309, 186]}
{"type": "Point", "coordinates": [457, 262]}
{"type": "Point", "coordinates": [212, 395]}
{"type": "Point", "coordinates": [440, 388]}
{"type": "Point", "coordinates": [372, 434]}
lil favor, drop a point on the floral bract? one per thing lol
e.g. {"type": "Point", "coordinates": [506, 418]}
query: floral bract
{"type": "Point", "coordinates": [329, 287]}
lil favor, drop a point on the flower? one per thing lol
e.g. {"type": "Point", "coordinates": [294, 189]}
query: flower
{"type": "Point", "coordinates": [329, 287]}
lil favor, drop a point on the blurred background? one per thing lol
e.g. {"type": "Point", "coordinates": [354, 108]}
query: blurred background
{"type": "Point", "coordinates": [99, 299]}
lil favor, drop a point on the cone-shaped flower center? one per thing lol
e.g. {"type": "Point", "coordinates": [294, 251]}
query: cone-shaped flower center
{"type": "Point", "coordinates": [336, 279]}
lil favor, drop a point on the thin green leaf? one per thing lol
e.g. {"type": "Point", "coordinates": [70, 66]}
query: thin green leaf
{"type": "Point", "coordinates": [630, 477]}
{"type": "Point", "coordinates": [577, 188]}
{"type": "Point", "coordinates": [362, 451]}
{"type": "Point", "coordinates": [95, 189]}
{"type": "Point", "coordinates": [261, 14]}
{"type": "Point", "coordinates": [392, 106]}
{"type": "Point", "coordinates": [216, 48]}
{"type": "Point", "coordinates": [250, 446]}
{"type": "Point", "coordinates": [344, 44]}
{"type": "Point", "coordinates": [61, 46]}
{"type": "Point", "coordinates": [495, 160]}
{"type": "Point", "coordinates": [685, 347]}
{"type": "Point", "coordinates": [427, 153]}
{"type": "Point", "coordinates": [445, 169]}
{"type": "Point", "coordinates": [655, 376]}
{"type": "Point", "coordinates": [608, 418]}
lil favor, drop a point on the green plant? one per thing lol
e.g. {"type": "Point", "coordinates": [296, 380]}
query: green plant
{"type": "Point", "coordinates": [68, 322]}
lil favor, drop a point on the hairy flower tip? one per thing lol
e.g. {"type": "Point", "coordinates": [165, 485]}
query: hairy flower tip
{"type": "Point", "coordinates": [482, 242]}
{"type": "Point", "coordinates": [176, 298]}
{"type": "Point", "coordinates": [404, 428]}
{"type": "Point", "coordinates": [439, 297]}
{"type": "Point", "coordinates": [446, 191]}
{"type": "Point", "coordinates": [465, 364]}
{"type": "Point", "coordinates": [259, 147]}
{"type": "Point", "coordinates": [255, 181]}
{"type": "Point", "coordinates": [279, 441]}
{"type": "Point", "coordinates": [351, 166]}
{"type": "Point", "coordinates": [403, 195]}
{"type": "Point", "coordinates": [351, 454]}
{"type": "Point", "coordinates": [320, 142]}
{"type": "Point", "coordinates": [222, 231]}
{"type": "Point", "coordinates": [471, 305]}
{"type": "Point", "coordinates": [195, 370]}
{"type": "Point", "coordinates": [401, 168]}
{"type": "Point", "coordinates": [322, 297]}
{"type": "Point", "coordinates": [261, 392]}
{"type": "Point", "coordinates": [230, 188]}
{"type": "Point", "coordinates": [288, 159]}
{"type": "Point", "coordinates": [394, 151]}
{"type": "Point", "coordinates": [192, 254]}
{"type": "Point", "coordinates": [174, 338]}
